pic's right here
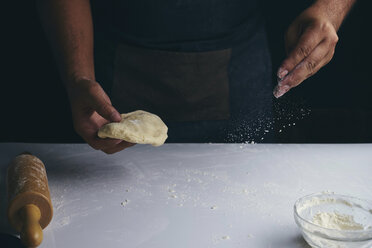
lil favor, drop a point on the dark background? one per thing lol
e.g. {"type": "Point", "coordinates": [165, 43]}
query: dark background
{"type": "Point", "coordinates": [35, 108]}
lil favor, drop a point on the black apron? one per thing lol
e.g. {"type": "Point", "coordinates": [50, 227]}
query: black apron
{"type": "Point", "coordinates": [206, 91]}
{"type": "Point", "coordinates": [176, 86]}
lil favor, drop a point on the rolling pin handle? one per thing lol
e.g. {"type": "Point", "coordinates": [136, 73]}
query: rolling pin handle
{"type": "Point", "coordinates": [31, 233]}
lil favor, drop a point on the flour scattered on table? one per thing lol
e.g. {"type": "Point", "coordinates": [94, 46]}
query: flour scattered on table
{"type": "Point", "coordinates": [125, 202]}
{"type": "Point", "coordinates": [64, 221]}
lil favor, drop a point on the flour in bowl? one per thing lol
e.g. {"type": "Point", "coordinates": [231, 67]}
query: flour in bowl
{"type": "Point", "coordinates": [335, 220]}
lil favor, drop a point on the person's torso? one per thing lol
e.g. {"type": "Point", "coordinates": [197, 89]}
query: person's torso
{"type": "Point", "coordinates": [181, 25]}
{"type": "Point", "coordinates": [186, 61]}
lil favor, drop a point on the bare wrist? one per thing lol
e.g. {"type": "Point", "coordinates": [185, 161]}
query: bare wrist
{"type": "Point", "coordinates": [334, 10]}
{"type": "Point", "coordinates": [75, 84]}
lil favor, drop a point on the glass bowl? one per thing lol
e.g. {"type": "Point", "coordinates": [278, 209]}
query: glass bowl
{"type": "Point", "coordinates": [358, 234]}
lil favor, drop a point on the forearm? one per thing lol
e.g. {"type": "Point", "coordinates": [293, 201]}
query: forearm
{"type": "Point", "coordinates": [335, 10]}
{"type": "Point", "coordinates": [69, 29]}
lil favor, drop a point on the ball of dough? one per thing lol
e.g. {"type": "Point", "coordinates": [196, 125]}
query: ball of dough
{"type": "Point", "coordinates": [139, 127]}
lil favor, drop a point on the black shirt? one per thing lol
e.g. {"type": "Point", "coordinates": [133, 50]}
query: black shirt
{"type": "Point", "coordinates": [179, 25]}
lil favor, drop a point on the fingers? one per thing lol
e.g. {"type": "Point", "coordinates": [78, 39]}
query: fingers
{"type": "Point", "coordinates": [107, 145]}
{"type": "Point", "coordinates": [100, 102]}
{"type": "Point", "coordinates": [101, 144]}
{"type": "Point", "coordinates": [319, 57]}
{"type": "Point", "coordinates": [91, 109]}
{"type": "Point", "coordinates": [119, 147]}
{"type": "Point", "coordinates": [305, 45]}
{"type": "Point", "coordinates": [96, 142]}
{"type": "Point", "coordinates": [315, 49]}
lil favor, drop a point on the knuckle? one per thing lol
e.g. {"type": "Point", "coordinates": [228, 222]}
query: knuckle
{"type": "Point", "coordinates": [334, 38]}
{"type": "Point", "coordinates": [326, 27]}
{"type": "Point", "coordinates": [304, 51]}
{"type": "Point", "coordinates": [106, 108]}
{"type": "Point", "coordinates": [310, 66]}
{"type": "Point", "coordinates": [330, 32]}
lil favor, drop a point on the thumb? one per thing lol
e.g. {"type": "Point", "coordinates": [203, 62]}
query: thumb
{"type": "Point", "coordinates": [104, 107]}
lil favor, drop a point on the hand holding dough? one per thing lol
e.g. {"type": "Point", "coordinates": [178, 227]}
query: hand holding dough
{"type": "Point", "coordinates": [139, 127]}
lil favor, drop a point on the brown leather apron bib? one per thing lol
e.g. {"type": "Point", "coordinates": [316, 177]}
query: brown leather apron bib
{"type": "Point", "coordinates": [177, 86]}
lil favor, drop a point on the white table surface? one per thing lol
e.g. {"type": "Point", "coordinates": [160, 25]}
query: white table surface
{"type": "Point", "coordinates": [188, 195]}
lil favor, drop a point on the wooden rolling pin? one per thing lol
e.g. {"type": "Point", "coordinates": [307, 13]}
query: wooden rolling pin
{"type": "Point", "coordinates": [29, 206]}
